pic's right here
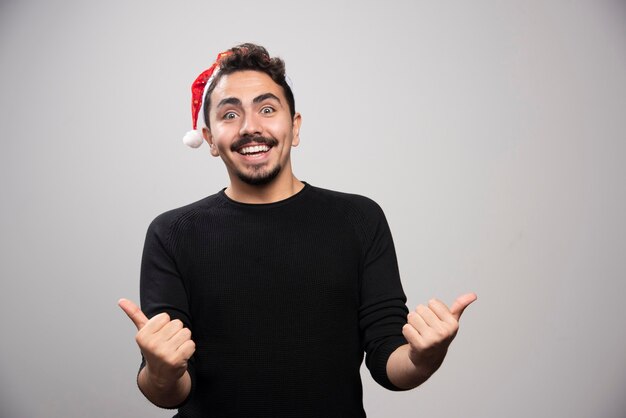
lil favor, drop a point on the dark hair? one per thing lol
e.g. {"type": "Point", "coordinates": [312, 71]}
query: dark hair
{"type": "Point", "coordinates": [251, 57]}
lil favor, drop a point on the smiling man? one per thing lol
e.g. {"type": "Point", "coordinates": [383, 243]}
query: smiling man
{"type": "Point", "coordinates": [261, 300]}
{"type": "Point", "coordinates": [253, 130]}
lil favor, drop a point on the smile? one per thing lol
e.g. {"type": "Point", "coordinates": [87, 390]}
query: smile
{"type": "Point", "coordinates": [254, 149]}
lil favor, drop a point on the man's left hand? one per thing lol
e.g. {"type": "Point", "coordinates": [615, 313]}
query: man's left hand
{"type": "Point", "coordinates": [430, 330]}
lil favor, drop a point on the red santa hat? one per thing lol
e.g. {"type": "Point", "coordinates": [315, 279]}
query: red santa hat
{"type": "Point", "coordinates": [199, 89]}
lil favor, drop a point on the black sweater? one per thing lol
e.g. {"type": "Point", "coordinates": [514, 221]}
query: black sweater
{"type": "Point", "coordinates": [282, 300]}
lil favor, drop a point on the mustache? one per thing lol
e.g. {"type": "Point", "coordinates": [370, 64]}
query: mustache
{"type": "Point", "coordinates": [245, 140]}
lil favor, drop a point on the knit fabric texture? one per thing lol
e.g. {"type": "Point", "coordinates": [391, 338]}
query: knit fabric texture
{"type": "Point", "coordinates": [283, 300]}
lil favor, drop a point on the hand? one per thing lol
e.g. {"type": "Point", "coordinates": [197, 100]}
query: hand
{"type": "Point", "coordinates": [431, 329]}
{"type": "Point", "coordinates": [166, 345]}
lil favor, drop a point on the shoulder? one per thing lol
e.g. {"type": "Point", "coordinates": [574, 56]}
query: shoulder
{"type": "Point", "coordinates": [185, 214]}
{"type": "Point", "coordinates": [364, 215]}
{"type": "Point", "coordinates": [359, 205]}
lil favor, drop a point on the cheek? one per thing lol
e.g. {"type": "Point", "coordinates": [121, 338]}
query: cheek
{"type": "Point", "coordinates": [279, 129]}
{"type": "Point", "coordinates": [223, 136]}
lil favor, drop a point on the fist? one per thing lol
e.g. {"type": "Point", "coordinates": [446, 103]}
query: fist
{"type": "Point", "coordinates": [431, 328]}
{"type": "Point", "coordinates": [165, 344]}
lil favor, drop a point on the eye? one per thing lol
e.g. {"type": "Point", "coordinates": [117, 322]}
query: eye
{"type": "Point", "coordinates": [267, 110]}
{"type": "Point", "coordinates": [229, 115]}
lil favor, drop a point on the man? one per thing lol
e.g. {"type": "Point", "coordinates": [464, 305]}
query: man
{"type": "Point", "coordinates": [283, 284]}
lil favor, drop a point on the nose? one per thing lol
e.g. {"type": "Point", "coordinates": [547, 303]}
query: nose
{"type": "Point", "coordinates": [250, 124]}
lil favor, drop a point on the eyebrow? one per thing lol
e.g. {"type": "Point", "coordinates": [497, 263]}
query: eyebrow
{"type": "Point", "coordinates": [236, 102]}
{"type": "Point", "coordinates": [265, 96]}
{"type": "Point", "coordinates": [229, 101]}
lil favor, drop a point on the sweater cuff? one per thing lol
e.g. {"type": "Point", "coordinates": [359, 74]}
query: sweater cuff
{"type": "Point", "coordinates": [379, 365]}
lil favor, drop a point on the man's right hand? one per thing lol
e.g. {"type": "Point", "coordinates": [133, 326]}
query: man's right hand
{"type": "Point", "coordinates": [166, 346]}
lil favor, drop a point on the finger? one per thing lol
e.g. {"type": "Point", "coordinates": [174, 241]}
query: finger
{"type": "Point", "coordinates": [429, 316]}
{"type": "Point", "coordinates": [441, 310]}
{"type": "Point", "coordinates": [156, 324]}
{"type": "Point", "coordinates": [417, 322]}
{"type": "Point", "coordinates": [461, 303]}
{"type": "Point", "coordinates": [187, 349]}
{"type": "Point", "coordinates": [180, 338]}
{"type": "Point", "coordinates": [134, 313]}
{"type": "Point", "coordinates": [170, 329]}
{"type": "Point", "coordinates": [436, 329]}
{"type": "Point", "coordinates": [412, 336]}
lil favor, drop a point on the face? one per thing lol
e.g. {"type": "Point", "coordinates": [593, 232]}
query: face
{"type": "Point", "coordinates": [251, 127]}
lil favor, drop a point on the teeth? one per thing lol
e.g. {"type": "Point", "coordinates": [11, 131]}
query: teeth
{"type": "Point", "coordinates": [254, 149]}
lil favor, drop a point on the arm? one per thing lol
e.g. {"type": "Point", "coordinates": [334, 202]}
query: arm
{"type": "Point", "coordinates": [429, 332]}
{"type": "Point", "coordinates": [166, 346]}
{"type": "Point", "coordinates": [382, 310]}
{"type": "Point", "coordinates": [166, 375]}
{"type": "Point", "coordinates": [400, 355]}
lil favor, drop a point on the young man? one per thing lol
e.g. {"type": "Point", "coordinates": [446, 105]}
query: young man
{"type": "Point", "coordinates": [284, 285]}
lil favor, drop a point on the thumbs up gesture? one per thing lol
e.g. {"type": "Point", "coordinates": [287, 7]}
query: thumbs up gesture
{"type": "Point", "coordinates": [167, 347]}
{"type": "Point", "coordinates": [431, 328]}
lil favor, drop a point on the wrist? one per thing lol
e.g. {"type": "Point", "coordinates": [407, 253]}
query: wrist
{"type": "Point", "coordinates": [408, 368]}
{"type": "Point", "coordinates": [165, 393]}
{"type": "Point", "coordinates": [159, 381]}
{"type": "Point", "coordinates": [425, 364]}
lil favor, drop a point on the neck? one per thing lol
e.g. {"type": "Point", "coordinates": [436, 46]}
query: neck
{"type": "Point", "coordinates": [281, 188]}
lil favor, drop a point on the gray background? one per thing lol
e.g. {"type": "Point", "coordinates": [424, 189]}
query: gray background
{"type": "Point", "coordinates": [491, 132]}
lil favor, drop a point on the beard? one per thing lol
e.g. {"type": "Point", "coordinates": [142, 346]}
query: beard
{"type": "Point", "coordinates": [260, 176]}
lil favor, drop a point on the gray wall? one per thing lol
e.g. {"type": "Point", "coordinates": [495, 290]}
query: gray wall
{"type": "Point", "coordinates": [492, 133]}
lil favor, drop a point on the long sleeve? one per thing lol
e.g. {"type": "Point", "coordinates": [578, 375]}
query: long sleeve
{"type": "Point", "coordinates": [161, 286]}
{"type": "Point", "coordinates": [383, 309]}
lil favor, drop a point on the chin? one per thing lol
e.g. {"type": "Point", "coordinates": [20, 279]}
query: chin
{"type": "Point", "coordinates": [259, 179]}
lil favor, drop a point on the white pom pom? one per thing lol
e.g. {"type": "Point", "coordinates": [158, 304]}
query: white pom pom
{"type": "Point", "coordinates": [193, 139]}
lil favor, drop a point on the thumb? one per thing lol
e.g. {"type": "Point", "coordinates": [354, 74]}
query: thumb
{"type": "Point", "coordinates": [461, 303]}
{"type": "Point", "coordinates": [134, 313]}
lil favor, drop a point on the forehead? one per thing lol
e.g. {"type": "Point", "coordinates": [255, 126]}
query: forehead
{"type": "Point", "coordinates": [245, 85]}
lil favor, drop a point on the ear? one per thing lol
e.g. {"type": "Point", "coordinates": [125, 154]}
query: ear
{"type": "Point", "coordinates": [295, 129]}
{"type": "Point", "coordinates": [209, 140]}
